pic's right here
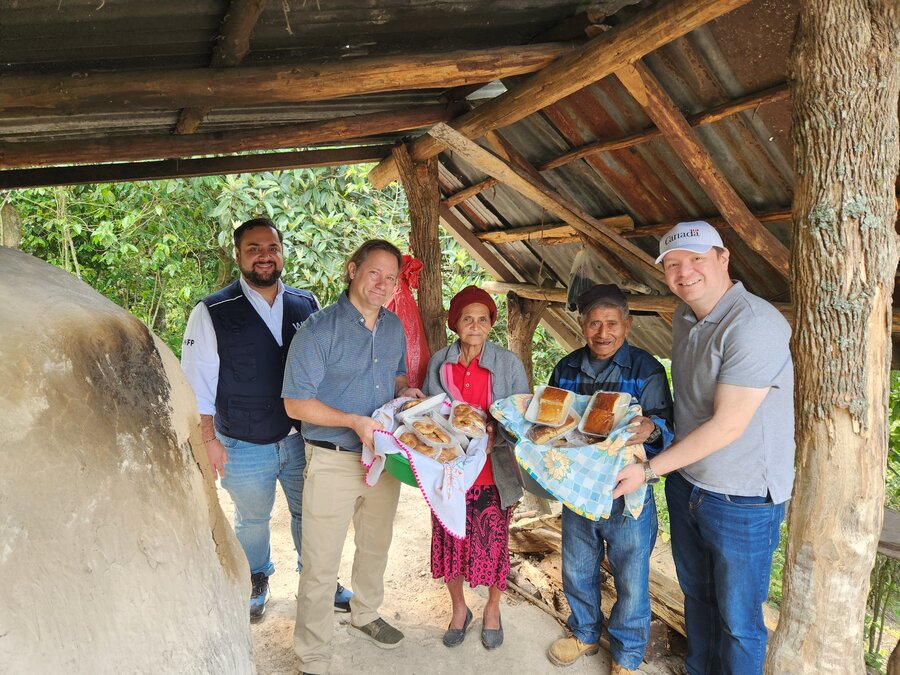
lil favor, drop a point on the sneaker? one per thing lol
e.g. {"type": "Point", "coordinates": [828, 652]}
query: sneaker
{"type": "Point", "coordinates": [566, 651]}
{"type": "Point", "coordinates": [342, 598]}
{"type": "Point", "coordinates": [379, 632]}
{"type": "Point", "coordinates": [259, 595]}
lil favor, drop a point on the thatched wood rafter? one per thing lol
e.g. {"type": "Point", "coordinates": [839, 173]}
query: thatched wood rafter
{"type": "Point", "coordinates": [232, 45]}
{"type": "Point", "coordinates": [180, 168]}
{"type": "Point", "coordinates": [248, 86]}
{"type": "Point", "coordinates": [137, 148]}
{"type": "Point", "coordinates": [659, 106]}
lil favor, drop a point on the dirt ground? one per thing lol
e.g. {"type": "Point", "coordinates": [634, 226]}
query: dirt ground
{"type": "Point", "coordinates": [416, 604]}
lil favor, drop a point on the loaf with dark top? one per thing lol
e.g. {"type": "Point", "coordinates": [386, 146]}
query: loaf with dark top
{"type": "Point", "coordinates": [599, 419]}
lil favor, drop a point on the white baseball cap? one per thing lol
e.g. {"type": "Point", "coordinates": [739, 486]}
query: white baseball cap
{"type": "Point", "coordinates": [697, 236]}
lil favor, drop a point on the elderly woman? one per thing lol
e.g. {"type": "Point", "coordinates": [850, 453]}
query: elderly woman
{"type": "Point", "coordinates": [478, 372]}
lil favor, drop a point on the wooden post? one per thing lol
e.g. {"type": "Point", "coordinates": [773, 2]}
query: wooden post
{"type": "Point", "coordinates": [420, 181]}
{"type": "Point", "coordinates": [522, 317]}
{"type": "Point", "coordinates": [846, 77]}
{"type": "Point", "coordinates": [10, 227]}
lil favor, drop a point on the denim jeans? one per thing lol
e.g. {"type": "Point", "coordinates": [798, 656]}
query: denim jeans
{"type": "Point", "coordinates": [627, 543]}
{"type": "Point", "coordinates": [722, 546]}
{"type": "Point", "coordinates": [250, 475]}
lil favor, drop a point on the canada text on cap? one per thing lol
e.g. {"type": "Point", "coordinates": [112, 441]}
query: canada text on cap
{"type": "Point", "coordinates": [697, 236]}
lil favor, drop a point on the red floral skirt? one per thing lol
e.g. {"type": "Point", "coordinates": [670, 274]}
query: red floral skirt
{"type": "Point", "coordinates": [482, 558]}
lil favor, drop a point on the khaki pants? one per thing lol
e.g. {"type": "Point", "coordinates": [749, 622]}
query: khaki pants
{"type": "Point", "coordinates": [333, 494]}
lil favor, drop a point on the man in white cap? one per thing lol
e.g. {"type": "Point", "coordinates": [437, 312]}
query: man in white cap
{"type": "Point", "coordinates": [731, 467]}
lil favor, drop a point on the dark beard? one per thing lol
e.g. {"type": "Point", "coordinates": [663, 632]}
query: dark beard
{"type": "Point", "coordinates": [257, 279]}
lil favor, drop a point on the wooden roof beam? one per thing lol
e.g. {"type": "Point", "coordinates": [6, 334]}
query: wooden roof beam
{"type": "Point", "coordinates": [469, 192]}
{"type": "Point", "coordinates": [237, 87]}
{"type": "Point", "coordinates": [544, 196]}
{"type": "Point", "coordinates": [136, 148]}
{"type": "Point", "coordinates": [593, 61]}
{"type": "Point", "coordinates": [660, 108]}
{"type": "Point", "coordinates": [552, 231]}
{"type": "Point", "coordinates": [232, 46]}
{"type": "Point", "coordinates": [181, 168]}
{"type": "Point", "coordinates": [777, 93]}
{"type": "Point", "coordinates": [636, 301]}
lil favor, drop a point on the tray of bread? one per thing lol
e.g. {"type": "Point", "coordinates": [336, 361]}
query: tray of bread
{"type": "Point", "coordinates": [550, 406]}
{"type": "Point", "coordinates": [604, 412]}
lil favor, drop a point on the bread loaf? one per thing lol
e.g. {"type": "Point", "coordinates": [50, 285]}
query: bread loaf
{"type": "Point", "coordinates": [551, 406]}
{"type": "Point", "coordinates": [542, 435]}
{"type": "Point", "coordinates": [601, 415]}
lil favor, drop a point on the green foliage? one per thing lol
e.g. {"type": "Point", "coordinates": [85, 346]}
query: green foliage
{"type": "Point", "coordinates": [156, 248]}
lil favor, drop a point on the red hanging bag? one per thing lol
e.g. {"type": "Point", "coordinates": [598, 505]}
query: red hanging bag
{"type": "Point", "coordinates": [403, 304]}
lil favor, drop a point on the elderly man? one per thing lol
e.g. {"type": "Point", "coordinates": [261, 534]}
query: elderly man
{"type": "Point", "coordinates": [345, 362]}
{"type": "Point", "coordinates": [608, 363]}
{"type": "Point", "coordinates": [732, 465]}
{"type": "Point", "coordinates": [233, 354]}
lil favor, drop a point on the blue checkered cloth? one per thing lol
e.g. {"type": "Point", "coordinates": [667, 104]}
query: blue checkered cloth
{"type": "Point", "coordinates": [581, 478]}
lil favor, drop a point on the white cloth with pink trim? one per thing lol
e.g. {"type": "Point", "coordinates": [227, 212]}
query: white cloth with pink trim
{"type": "Point", "coordinates": [443, 486]}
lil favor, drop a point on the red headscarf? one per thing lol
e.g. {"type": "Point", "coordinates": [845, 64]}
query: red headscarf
{"type": "Point", "coordinates": [470, 295]}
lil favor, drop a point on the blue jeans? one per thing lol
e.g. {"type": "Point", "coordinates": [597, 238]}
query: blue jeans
{"type": "Point", "coordinates": [627, 543]}
{"type": "Point", "coordinates": [250, 475]}
{"type": "Point", "coordinates": [722, 546]}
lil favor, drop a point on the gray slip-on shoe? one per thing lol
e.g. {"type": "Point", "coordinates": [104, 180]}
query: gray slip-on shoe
{"type": "Point", "coordinates": [492, 638]}
{"type": "Point", "coordinates": [455, 636]}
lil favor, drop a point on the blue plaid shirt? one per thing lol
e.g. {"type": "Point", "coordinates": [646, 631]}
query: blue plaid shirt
{"type": "Point", "coordinates": [630, 370]}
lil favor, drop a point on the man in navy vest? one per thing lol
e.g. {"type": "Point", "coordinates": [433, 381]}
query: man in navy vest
{"type": "Point", "coordinates": [233, 354]}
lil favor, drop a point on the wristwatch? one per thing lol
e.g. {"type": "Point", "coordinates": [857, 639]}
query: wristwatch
{"type": "Point", "coordinates": [656, 433]}
{"type": "Point", "coordinates": [650, 476]}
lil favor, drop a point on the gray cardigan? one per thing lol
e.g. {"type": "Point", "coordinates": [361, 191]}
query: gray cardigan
{"type": "Point", "coordinates": [507, 378]}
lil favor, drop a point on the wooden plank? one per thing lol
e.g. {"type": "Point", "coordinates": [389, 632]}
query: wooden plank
{"type": "Point", "coordinates": [889, 542]}
{"type": "Point", "coordinates": [469, 192]}
{"type": "Point", "coordinates": [294, 83]}
{"type": "Point", "coordinates": [232, 46]}
{"type": "Point", "coordinates": [137, 148]}
{"type": "Point", "coordinates": [423, 196]}
{"type": "Point", "coordinates": [660, 108]}
{"type": "Point", "coordinates": [544, 196]}
{"type": "Point", "coordinates": [557, 322]}
{"type": "Point", "coordinates": [175, 168]}
{"type": "Point", "coordinates": [530, 233]}
{"type": "Point", "coordinates": [777, 93]}
{"type": "Point", "coordinates": [636, 301]}
{"type": "Point", "coordinates": [596, 59]}
{"type": "Point", "coordinates": [659, 229]}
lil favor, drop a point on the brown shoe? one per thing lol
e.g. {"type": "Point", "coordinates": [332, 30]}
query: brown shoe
{"type": "Point", "coordinates": [566, 651]}
{"type": "Point", "coordinates": [621, 670]}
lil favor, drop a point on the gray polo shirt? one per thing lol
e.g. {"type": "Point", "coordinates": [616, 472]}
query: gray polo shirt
{"type": "Point", "coordinates": [334, 358]}
{"type": "Point", "coordinates": [744, 342]}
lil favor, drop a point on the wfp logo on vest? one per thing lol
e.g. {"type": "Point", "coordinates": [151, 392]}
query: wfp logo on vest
{"type": "Point", "coordinates": [296, 325]}
{"type": "Point", "coordinates": [693, 232]}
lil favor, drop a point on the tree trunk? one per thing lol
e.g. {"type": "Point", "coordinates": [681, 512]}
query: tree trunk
{"type": "Point", "coordinates": [420, 181]}
{"type": "Point", "coordinates": [10, 227]}
{"type": "Point", "coordinates": [522, 318]}
{"type": "Point", "coordinates": [846, 74]}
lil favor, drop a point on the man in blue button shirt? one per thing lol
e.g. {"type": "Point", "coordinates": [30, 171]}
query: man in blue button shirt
{"type": "Point", "coordinates": [608, 363]}
{"type": "Point", "coordinates": [345, 362]}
